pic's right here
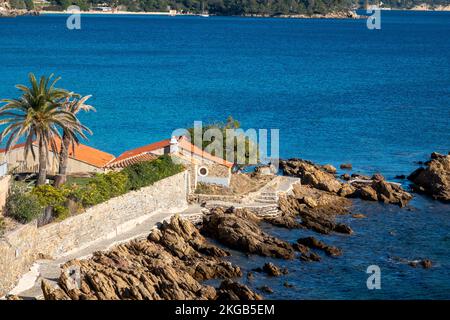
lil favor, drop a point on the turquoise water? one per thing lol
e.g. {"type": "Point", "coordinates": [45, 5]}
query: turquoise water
{"type": "Point", "coordinates": [337, 91]}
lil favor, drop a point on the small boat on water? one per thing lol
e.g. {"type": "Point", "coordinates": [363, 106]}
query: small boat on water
{"type": "Point", "coordinates": [204, 13]}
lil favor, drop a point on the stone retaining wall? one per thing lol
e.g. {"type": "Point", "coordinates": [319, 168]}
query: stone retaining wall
{"type": "Point", "coordinates": [21, 247]}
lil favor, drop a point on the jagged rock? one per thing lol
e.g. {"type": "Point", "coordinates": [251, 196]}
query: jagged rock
{"type": "Point", "coordinates": [360, 176]}
{"type": "Point", "coordinates": [367, 193]}
{"type": "Point", "coordinates": [239, 229]}
{"type": "Point", "coordinates": [52, 293]}
{"type": "Point", "coordinates": [272, 270]}
{"type": "Point", "coordinates": [285, 221]}
{"type": "Point", "coordinates": [329, 168]}
{"type": "Point", "coordinates": [358, 216]}
{"type": "Point", "coordinates": [312, 242]}
{"type": "Point", "coordinates": [310, 202]}
{"type": "Point", "coordinates": [378, 177]}
{"type": "Point", "coordinates": [230, 290]}
{"type": "Point", "coordinates": [288, 285]}
{"type": "Point", "coordinates": [346, 190]}
{"type": "Point", "coordinates": [345, 177]}
{"type": "Point", "coordinates": [169, 264]}
{"type": "Point", "coordinates": [434, 179]}
{"type": "Point", "coordinates": [321, 217]}
{"type": "Point", "coordinates": [346, 166]}
{"type": "Point", "coordinates": [425, 263]}
{"type": "Point", "coordinates": [380, 190]}
{"type": "Point", "coordinates": [266, 289]}
{"type": "Point", "coordinates": [305, 253]}
{"type": "Point", "coordinates": [311, 174]}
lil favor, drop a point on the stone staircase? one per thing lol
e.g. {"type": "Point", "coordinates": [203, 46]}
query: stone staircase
{"type": "Point", "coordinates": [263, 202]}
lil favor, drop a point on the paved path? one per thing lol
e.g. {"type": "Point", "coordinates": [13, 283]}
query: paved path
{"type": "Point", "coordinates": [29, 285]}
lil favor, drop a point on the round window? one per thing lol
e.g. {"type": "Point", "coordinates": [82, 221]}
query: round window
{"type": "Point", "coordinates": [203, 171]}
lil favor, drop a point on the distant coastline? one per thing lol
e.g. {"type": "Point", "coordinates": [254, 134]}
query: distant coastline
{"type": "Point", "coordinates": [332, 15]}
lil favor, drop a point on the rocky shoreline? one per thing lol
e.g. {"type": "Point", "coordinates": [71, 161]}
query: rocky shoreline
{"type": "Point", "coordinates": [331, 15]}
{"type": "Point", "coordinates": [176, 258]}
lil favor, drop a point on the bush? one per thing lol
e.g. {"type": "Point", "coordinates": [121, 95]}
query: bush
{"type": "Point", "coordinates": [22, 205]}
{"type": "Point", "coordinates": [101, 188]}
{"type": "Point", "coordinates": [143, 174]}
{"type": "Point", "coordinates": [60, 213]}
{"type": "Point", "coordinates": [49, 196]}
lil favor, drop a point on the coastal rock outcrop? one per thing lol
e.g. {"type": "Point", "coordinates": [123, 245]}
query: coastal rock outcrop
{"type": "Point", "coordinates": [238, 228]}
{"type": "Point", "coordinates": [305, 253]}
{"type": "Point", "coordinates": [315, 209]}
{"type": "Point", "coordinates": [170, 264]}
{"type": "Point", "coordinates": [314, 243]}
{"type": "Point", "coordinates": [378, 189]}
{"type": "Point", "coordinates": [311, 174]}
{"type": "Point", "coordinates": [434, 179]}
{"type": "Point", "coordinates": [366, 188]}
{"type": "Point", "coordinates": [230, 290]}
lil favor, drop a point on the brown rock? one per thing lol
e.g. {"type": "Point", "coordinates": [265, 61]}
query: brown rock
{"type": "Point", "coordinates": [426, 263]}
{"type": "Point", "coordinates": [272, 270]}
{"type": "Point", "coordinates": [329, 168]}
{"type": "Point", "coordinates": [377, 177]}
{"type": "Point", "coordinates": [434, 179]}
{"type": "Point", "coordinates": [170, 264]}
{"type": "Point", "coordinates": [345, 177]}
{"type": "Point", "coordinates": [266, 289]}
{"type": "Point", "coordinates": [230, 290]}
{"type": "Point", "coordinates": [358, 216]}
{"type": "Point", "coordinates": [311, 174]}
{"type": "Point", "coordinates": [346, 190]}
{"type": "Point", "coordinates": [347, 166]}
{"type": "Point", "coordinates": [319, 218]}
{"type": "Point", "coordinates": [312, 242]}
{"type": "Point", "coordinates": [239, 229]}
{"type": "Point", "coordinates": [368, 193]}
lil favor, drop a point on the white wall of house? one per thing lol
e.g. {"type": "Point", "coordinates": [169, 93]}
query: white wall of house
{"type": "Point", "coordinates": [17, 163]}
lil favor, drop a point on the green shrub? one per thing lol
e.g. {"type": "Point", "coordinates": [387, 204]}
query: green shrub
{"type": "Point", "coordinates": [101, 188]}
{"type": "Point", "coordinates": [22, 205]}
{"type": "Point", "coordinates": [143, 174]}
{"type": "Point", "coordinates": [61, 212]}
{"type": "Point", "coordinates": [49, 196]}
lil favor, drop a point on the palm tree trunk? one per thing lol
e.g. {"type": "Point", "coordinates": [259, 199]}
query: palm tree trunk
{"type": "Point", "coordinates": [63, 160]}
{"type": "Point", "coordinates": [42, 163]}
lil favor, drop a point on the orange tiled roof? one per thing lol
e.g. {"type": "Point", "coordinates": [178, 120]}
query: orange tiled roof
{"type": "Point", "coordinates": [129, 161]}
{"type": "Point", "coordinates": [193, 149]}
{"type": "Point", "coordinates": [128, 156]}
{"type": "Point", "coordinates": [82, 153]}
{"type": "Point", "coordinates": [139, 151]}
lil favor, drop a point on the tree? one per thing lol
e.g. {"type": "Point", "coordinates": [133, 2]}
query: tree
{"type": "Point", "coordinates": [231, 150]}
{"type": "Point", "coordinates": [70, 137]}
{"type": "Point", "coordinates": [36, 117]}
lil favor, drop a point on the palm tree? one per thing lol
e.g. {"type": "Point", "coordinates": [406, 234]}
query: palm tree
{"type": "Point", "coordinates": [36, 117]}
{"type": "Point", "coordinates": [69, 138]}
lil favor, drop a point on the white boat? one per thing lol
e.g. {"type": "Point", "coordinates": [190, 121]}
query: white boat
{"type": "Point", "coordinates": [204, 13]}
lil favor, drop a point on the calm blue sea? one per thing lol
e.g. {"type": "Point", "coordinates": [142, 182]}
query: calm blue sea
{"type": "Point", "coordinates": [337, 91]}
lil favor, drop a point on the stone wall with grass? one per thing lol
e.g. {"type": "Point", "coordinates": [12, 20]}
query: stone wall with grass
{"type": "Point", "coordinates": [21, 247]}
